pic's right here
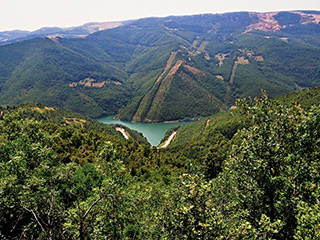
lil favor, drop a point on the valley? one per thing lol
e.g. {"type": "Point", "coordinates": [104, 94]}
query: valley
{"type": "Point", "coordinates": [212, 129]}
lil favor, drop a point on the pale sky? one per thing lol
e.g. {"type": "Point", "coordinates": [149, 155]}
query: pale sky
{"type": "Point", "coordinates": [34, 14]}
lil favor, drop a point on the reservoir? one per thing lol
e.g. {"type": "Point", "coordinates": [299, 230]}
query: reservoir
{"type": "Point", "coordinates": [154, 132]}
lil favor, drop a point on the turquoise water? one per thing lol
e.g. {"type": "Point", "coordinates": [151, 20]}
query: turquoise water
{"type": "Point", "coordinates": [154, 132]}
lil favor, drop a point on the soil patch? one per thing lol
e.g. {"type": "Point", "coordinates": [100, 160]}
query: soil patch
{"type": "Point", "coordinates": [194, 70]}
{"type": "Point", "coordinates": [221, 57]}
{"type": "Point", "coordinates": [220, 77]}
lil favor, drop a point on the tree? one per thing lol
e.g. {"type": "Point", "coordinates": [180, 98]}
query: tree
{"type": "Point", "coordinates": [29, 199]}
{"type": "Point", "coordinates": [271, 166]}
{"type": "Point", "coordinates": [98, 199]}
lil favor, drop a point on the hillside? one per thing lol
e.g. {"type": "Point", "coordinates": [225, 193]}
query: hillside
{"type": "Point", "coordinates": [44, 71]}
{"type": "Point", "coordinates": [163, 69]}
{"type": "Point", "coordinates": [65, 118]}
{"type": "Point", "coordinates": [306, 98]}
{"type": "Point", "coordinates": [62, 179]}
{"type": "Point", "coordinates": [210, 137]}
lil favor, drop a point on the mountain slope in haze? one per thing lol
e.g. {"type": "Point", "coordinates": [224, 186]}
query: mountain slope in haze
{"type": "Point", "coordinates": [163, 69]}
{"type": "Point", "coordinates": [53, 32]}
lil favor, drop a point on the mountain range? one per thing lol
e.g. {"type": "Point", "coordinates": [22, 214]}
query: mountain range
{"type": "Point", "coordinates": [13, 36]}
{"type": "Point", "coordinates": [164, 69]}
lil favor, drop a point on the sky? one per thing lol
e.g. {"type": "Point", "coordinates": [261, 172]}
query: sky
{"type": "Point", "coordinates": [34, 14]}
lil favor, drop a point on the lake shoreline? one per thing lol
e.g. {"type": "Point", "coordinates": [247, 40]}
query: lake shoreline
{"type": "Point", "coordinates": [153, 132]}
{"type": "Point", "coordinates": [185, 120]}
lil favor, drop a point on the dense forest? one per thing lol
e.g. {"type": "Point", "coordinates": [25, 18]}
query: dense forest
{"type": "Point", "coordinates": [251, 174]}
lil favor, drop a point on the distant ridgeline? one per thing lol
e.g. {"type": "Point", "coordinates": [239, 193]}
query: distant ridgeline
{"type": "Point", "coordinates": [162, 69]}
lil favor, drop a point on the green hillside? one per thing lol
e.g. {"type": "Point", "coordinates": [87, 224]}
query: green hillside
{"type": "Point", "coordinates": [64, 176]}
{"type": "Point", "coordinates": [211, 138]}
{"type": "Point", "coordinates": [45, 71]}
{"type": "Point", "coordinates": [161, 69]}
{"type": "Point", "coordinates": [306, 98]}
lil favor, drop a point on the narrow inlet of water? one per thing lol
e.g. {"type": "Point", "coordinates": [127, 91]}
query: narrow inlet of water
{"type": "Point", "coordinates": [154, 132]}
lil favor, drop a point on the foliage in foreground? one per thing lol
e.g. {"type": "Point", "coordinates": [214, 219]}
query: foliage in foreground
{"type": "Point", "coordinates": [268, 187]}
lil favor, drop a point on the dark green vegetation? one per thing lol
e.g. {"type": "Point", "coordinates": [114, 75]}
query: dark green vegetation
{"type": "Point", "coordinates": [250, 173]}
{"type": "Point", "coordinates": [159, 69]}
{"type": "Point", "coordinates": [306, 98]}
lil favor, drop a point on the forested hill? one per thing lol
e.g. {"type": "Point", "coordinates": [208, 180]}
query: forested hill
{"type": "Point", "coordinates": [159, 69]}
{"type": "Point", "coordinates": [212, 135]}
{"type": "Point", "coordinates": [63, 177]}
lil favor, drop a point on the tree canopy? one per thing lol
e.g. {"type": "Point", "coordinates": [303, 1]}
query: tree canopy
{"type": "Point", "coordinates": [65, 182]}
